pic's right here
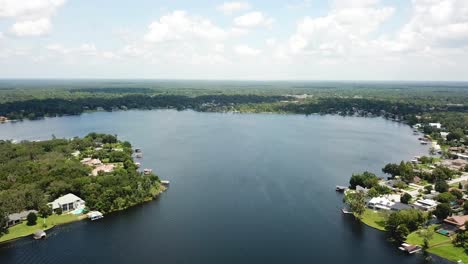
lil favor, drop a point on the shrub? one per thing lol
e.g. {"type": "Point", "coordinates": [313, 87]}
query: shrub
{"type": "Point", "coordinates": [32, 219]}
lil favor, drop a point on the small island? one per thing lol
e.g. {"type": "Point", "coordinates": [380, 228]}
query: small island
{"type": "Point", "coordinates": [423, 205]}
{"type": "Point", "coordinates": [58, 181]}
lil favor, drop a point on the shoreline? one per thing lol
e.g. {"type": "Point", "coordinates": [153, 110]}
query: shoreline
{"type": "Point", "coordinates": [370, 223]}
{"type": "Point", "coordinates": [81, 217]}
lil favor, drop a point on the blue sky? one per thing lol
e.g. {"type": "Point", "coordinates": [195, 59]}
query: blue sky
{"type": "Point", "coordinates": [303, 39]}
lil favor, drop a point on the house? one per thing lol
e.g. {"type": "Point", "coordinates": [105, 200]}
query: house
{"type": "Point", "coordinates": [103, 168]}
{"type": "Point", "coordinates": [16, 218]}
{"type": "Point", "coordinates": [458, 222]}
{"type": "Point", "coordinates": [444, 135]}
{"type": "Point", "coordinates": [91, 162]}
{"type": "Point", "coordinates": [425, 204]}
{"type": "Point", "coordinates": [435, 125]}
{"type": "Point", "coordinates": [3, 119]}
{"type": "Point", "coordinates": [387, 202]}
{"type": "Point", "coordinates": [359, 188]}
{"type": "Point", "coordinates": [68, 202]}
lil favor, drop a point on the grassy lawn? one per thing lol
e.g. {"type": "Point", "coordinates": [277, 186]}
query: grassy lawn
{"type": "Point", "coordinates": [374, 219]}
{"type": "Point", "coordinates": [446, 249]}
{"type": "Point", "coordinates": [414, 238]}
{"type": "Point", "coordinates": [23, 229]}
{"type": "Point", "coordinates": [450, 252]}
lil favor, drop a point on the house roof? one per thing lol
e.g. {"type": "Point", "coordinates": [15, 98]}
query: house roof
{"type": "Point", "coordinates": [459, 221]}
{"type": "Point", "coordinates": [21, 215]}
{"type": "Point", "coordinates": [66, 199]}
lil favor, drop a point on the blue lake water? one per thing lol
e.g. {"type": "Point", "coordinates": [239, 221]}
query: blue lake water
{"type": "Point", "coordinates": [245, 188]}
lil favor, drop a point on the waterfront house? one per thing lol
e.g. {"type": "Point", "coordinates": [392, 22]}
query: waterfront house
{"type": "Point", "coordinates": [91, 162]}
{"type": "Point", "coordinates": [425, 204]}
{"type": "Point", "coordinates": [103, 168]}
{"type": "Point", "coordinates": [359, 188]}
{"type": "Point", "coordinates": [457, 221]}
{"type": "Point", "coordinates": [387, 202]}
{"type": "Point", "coordinates": [67, 203]}
{"type": "Point", "coordinates": [16, 218]}
{"type": "Point", "coordinates": [3, 119]}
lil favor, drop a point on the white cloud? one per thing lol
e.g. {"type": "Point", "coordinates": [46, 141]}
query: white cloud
{"type": "Point", "coordinates": [32, 17]}
{"type": "Point", "coordinates": [86, 49]}
{"type": "Point", "coordinates": [31, 27]}
{"type": "Point", "coordinates": [433, 23]}
{"type": "Point", "coordinates": [346, 28]}
{"type": "Point", "coordinates": [178, 25]}
{"type": "Point", "coordinates": [246, 50]}
{"type": "Point", "coordinates": [229, 8]}
{"type": "Point", "coordinates": [253, 19]}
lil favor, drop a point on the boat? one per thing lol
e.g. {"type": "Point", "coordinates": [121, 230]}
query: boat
{"type": "Point", "coordinates": [95, 215]}
{"type": "Point", "coordinates": [139, 155]}
{"type": "Point", "coordinates": [341, 188]}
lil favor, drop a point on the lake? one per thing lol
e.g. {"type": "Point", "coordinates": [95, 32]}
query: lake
{"type": "Point", "coordinates": [245, 188]}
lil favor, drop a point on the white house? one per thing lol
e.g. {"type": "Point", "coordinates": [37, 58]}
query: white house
{"type": "Point", "coordinates": [387, 202]}
{"type": "Point", "coordinates": [425, 205]}
{"type": "Point", "coordinates": [68, 202]}
{"type": "Point", "coordinates": [436, 125]}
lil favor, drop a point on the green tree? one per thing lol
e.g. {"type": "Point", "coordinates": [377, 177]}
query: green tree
{"type": "Point", "coordinates": [366, 179]}
{"type": "Point", "coordinates": [31, 219]}
{"type": "Point", "coordinates": [442, 211]}
{"type": "Point", "coordinates": [426, 234]}
{"type": "Point", "coordinates": [457, 134]}
{"type": "Point", "coordinates": [405, 198]}
{"type": "Point", "coordinates": [441, 186]}
{"type": "Point", "coordinates": [401, 223]}
{"type": "Point", "coordinates": [3, 221]}
{"type": "Point", "coordinates": [392, 169]}
{"type": "Point", "coordinates": [356, 202]}
{"type": "Point", "coordinates": [457, 193]}
{"type": "Point", "coordinates": [401, 233]}
{"type": "Point", "coordinates": [446, 197]}
{"type": "Point", "coordinates": [428, 189]}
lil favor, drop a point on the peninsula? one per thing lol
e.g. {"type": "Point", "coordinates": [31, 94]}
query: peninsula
{"type": "Point", "coordinates": [57, 181]}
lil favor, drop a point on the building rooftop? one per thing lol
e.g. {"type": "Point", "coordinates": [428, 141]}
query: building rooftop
{"type": "Point", "coordinates": [66, 199]}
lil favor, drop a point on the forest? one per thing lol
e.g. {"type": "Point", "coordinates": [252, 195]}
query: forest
{"type": "Point", "coordinates": [410, 102]}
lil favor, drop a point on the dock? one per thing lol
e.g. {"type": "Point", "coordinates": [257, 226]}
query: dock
{"type": "Point", "coordinates": [165, 182]}
{"type": "Point", "coordinates": [410, 249]}
{"type": "Point", "coordinates": [340, 188]}
{"type": "Point", "coordinates": [345, 211]}
{"type": "Point", "coordinates": [95, 215]}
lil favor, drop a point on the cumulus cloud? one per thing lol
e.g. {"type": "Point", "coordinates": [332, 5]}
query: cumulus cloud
{"type": "Point", "coordinates": [433, 23]}
{"type": "Point", "coordinates": [229, 8]}
{"type": "Point", "coordinates": [31, 27]}
{"type": "Point", "coordinates": [346, 27]}
{"type": "Point", "coordinates": [178, 25]}
{"type": "Point", "coordinates": [32, 17]}
{"type": "Point", "coordinates": [253, 19]}
{"type": "Point", "coordinates": [246, 50]}
{"type": "Point", "coordinates": [85, 49]}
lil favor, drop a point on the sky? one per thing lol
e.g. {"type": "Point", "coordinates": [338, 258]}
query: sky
{"type": "Point", "coordinates": [240, 40]}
